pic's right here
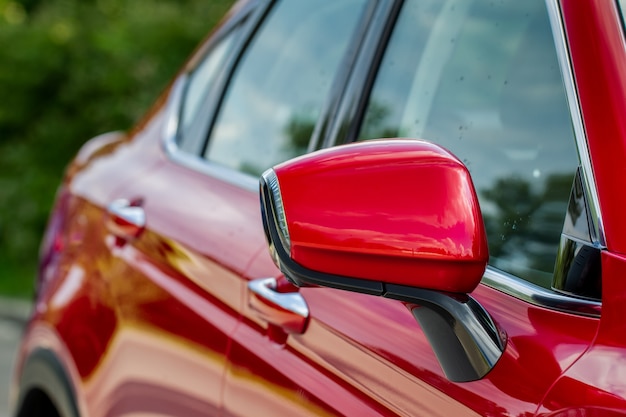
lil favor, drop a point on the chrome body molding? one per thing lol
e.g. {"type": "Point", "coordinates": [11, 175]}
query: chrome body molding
{"type": "Point", "coordinates": [589, 183]}
{"type": "Point", "coordinates": [191, 161]}
{"type": "Point", "coordinates": [539, 296]}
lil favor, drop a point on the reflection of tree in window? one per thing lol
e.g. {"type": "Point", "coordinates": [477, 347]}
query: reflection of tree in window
{"type": "Point", "coordinates": [377, 124]}
{"type": "Point", "coordinates": [525, 229]}
{"type": "Point", "coordinates": [299, 130]}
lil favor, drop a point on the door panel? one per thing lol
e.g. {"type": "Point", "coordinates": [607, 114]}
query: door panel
{"type": "Point", "coordinates": [177, 288]}
{"type": "Point", "coordinates": [330, 371]}
{"type": "Point", "coordinates": [365, 355]}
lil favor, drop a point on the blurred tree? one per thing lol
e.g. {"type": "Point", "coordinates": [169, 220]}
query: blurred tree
{"type": "Point", "coordinates": [70, 70]}
{"type": "Point", "coordinates": [299, 130]}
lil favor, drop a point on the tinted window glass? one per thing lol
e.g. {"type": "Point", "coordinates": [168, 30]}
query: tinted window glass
{"type": "Point", "coordinates": [481, 78]}
{"type": "Point", "coordinates": [201, 80]}
{"type": "Point", "coordinates": [277, 92]}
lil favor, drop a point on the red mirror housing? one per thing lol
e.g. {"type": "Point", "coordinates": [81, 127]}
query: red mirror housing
{"type": "Point", "coordinates": [363, 215]}
{"type": "Point", "coordinates": [395, 218]}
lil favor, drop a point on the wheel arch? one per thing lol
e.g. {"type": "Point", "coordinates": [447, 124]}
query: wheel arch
{"type": "Point", "coordinates": [45, 387]}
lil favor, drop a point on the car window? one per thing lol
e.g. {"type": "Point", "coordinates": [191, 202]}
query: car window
{"type": "Point", "coordinates": [481, 78]}
{"type": "Point", "coordinates": [200, 81]}
{"type": "Point", "coordinates": [277, 91]}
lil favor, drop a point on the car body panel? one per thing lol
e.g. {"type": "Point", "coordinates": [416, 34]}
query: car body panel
{"type": "Point", "coordinates": [174, 279]}
{"type": "Point", "coordinates": [373, 352]}
{"type": "Point", "coordinates": [595, 384]}
{"type": "Point", "coordinates": [66, 299]}
{"type": "Point", "coordinates": [145, 299]}
{"type": "Point", "coordinates": [162, 325]}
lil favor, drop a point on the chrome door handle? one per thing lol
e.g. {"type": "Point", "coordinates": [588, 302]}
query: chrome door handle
{"type": "Point", "coordinates": [286, 310]}
{"type": "Point", "coordinates": [125, 220]}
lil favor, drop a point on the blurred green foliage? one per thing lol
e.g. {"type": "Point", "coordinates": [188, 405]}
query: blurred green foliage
{"type": "Point", "coordinates": [69, 70]}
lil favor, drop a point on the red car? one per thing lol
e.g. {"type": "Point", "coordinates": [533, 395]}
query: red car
{"type": "Point", "coordinates": [475, 267]}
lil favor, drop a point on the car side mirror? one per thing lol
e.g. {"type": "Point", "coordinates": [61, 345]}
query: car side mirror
{"type": "Point", "coordinates": [394, 218]}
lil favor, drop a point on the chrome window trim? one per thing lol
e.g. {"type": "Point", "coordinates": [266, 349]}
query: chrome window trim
{"type": "Point", "coordinates": [192, 161]}
{"type": "Point", "coordinates": [589, 183]}
{"type": "Point", "coordinates": [539, 296]}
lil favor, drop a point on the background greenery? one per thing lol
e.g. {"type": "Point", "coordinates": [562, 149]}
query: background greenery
{"type": "Point", "coordinates": [69, 70]}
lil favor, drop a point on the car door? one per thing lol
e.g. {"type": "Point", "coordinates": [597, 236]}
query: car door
{"type": "Point", "coordinates": [485, 80]}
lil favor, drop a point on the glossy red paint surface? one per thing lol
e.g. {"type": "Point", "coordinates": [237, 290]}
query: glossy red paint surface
{"type": "Point", "coordinates": [178, 293]}
{"type": "Point", "coordinates": [365, 355]}
{"type": "Point", "coordinates": [164, 324]}
{"type": "Point", "coordinates": [142, 325]}
{"type": "Point", "coordinates": [596, 384]}
{"type": "Point", "coordinates": [398, 211]}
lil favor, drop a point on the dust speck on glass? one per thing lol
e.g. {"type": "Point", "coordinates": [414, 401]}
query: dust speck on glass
{"type": "Point", "coordinates": [481, 78]}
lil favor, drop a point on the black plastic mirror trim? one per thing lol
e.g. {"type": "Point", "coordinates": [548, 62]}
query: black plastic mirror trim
{"type": "Point", "coordinates": [465, 339]}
